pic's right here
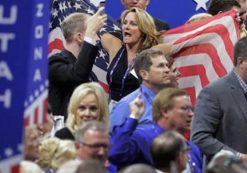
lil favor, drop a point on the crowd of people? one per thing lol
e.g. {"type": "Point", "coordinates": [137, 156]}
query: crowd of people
{"type": "Point", "coordinates": [140, 126]}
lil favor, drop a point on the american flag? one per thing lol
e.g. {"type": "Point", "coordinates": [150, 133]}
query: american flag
{"type": "Point", "coordinates": [36, 111]}
{"type": "Point", "coordinates": [12, 161]}
{"type": "Point", "coordinates": [203, 50]}
{"type": "Point", "coordinates": [61, 9]}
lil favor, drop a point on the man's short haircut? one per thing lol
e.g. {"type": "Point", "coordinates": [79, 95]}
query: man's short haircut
{"type": "Point", "coordinates": [143, 60]}
{"type": "Point", "coordinates": [216, 6]}
{"type": "Point", "coordinates": [75, 22]}
{"type": "Point", "coordinates": [164, 100]}
{"type": "Point", "coordinates": [89, 126]}
{"type": "Point", "coordinates": [240, 50]}
{"type": "Point", "coordinates": [166, 148]}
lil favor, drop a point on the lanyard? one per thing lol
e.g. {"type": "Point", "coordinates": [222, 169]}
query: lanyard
{"type": "Point", "coordinates": [115, 65]}
{"type": "Point", "coordinates": [130, 66]}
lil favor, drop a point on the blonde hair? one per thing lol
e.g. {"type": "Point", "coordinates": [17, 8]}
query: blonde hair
{"type": "Point", "coordinates": [198, 17]}
{"type": "Point", "coordinates": [79, 93]}
{"type": "Point", "coordinates": [75, 22]}
{"type": "Point", "coordinates": [150, 36]}
{"type": "Point", "coordinates": [54, 152]}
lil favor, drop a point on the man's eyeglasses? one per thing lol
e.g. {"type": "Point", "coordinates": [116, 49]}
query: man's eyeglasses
{"type": "Point", "coordinates": [96, 146]}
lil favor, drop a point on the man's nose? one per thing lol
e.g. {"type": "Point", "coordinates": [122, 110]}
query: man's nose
{"type": "Point", "coordinates": [167, 69]}
{"type": "Point", "coordinates": [191, 112]}
{"type": "Point", "coordinates": [102, 151]}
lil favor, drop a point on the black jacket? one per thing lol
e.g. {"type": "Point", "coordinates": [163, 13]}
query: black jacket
{"type": "Point", "coordinates": [66, 73]}
{"type": "Point", "coordinates": [65, 133]}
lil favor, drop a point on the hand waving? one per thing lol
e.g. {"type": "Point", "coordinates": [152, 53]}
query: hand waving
{"type": "Point", "coordinates": [137, 107]}
{"type": "Point", "coordinates": [95, 23]}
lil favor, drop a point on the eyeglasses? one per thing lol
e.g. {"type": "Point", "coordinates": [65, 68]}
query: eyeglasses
{"type": "Point", "coordinates": [96, 146]}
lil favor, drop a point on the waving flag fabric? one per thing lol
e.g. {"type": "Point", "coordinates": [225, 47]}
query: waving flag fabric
{"type": "Point", "coordinates": [61, 9]}
{"type": "Point", "coordinates": [203, 50]}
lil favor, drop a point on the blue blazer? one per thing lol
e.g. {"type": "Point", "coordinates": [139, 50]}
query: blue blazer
{"type": "Point", "coordinates": [131, 144]}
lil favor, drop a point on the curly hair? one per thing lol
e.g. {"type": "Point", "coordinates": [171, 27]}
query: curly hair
{"type": "Point", "coordinates": [54, 152]}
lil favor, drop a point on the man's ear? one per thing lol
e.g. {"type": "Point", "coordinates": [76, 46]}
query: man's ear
{"type": "Point", "coordinates": [79, 37]}
{"type": "Point", "coordinates": [144, 74]}
{"type": "Point", "coordinates": [240, 60]}
{"type": "Point", "coordinates": [164, 113]}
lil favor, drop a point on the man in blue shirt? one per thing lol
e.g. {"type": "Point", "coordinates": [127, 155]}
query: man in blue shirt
{"type": "Point", "coordinates": [172, 110]}
{"type": "Point", "coordinates": [151, 66]}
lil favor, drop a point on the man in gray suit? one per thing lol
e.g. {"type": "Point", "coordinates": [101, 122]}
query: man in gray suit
{"type": "Point", "coordinates": [220, 120]}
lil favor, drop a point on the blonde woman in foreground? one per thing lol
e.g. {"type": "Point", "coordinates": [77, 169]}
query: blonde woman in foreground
{"type": "Point", "coordinates": [88, 102]}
